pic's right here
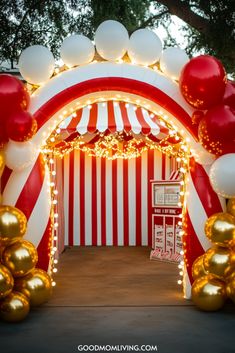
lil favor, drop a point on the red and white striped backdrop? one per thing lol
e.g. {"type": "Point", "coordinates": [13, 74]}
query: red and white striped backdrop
{"type": "Point", "coordinates": [108, 202]}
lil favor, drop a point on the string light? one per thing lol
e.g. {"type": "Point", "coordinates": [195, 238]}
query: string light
{"type": "Point", "coordinates": [53, 192]}
{"type": "Point", "coordinates": [117, 145]}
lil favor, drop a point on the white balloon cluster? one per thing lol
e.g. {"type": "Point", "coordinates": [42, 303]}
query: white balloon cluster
{"type": "Point", "coordinates": [222, 175]}
{"type": "Point", "coordinates": [112, 42]}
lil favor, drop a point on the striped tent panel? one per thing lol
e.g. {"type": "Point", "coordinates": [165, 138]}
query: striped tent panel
{"type": "Point", "coordinates": [113, 117]}
{"type": "Point", "coordinates": [108, 202]}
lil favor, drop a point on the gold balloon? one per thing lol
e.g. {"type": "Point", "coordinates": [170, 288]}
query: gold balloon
{"type": "Point", "coordinates": [220, 229]}
{"type": "Point", "coordinates": [230, 273]}
{"type": "Point", "coordinates": [14, 308]}
{"type": "Point", "coordinates": [231, 207]}
{"type": "Point", "coordinates": [2, 162]}
{"type": "Point", "coordinates": [230, 288]}
{"type": "Point", "coordinates": [6, 282]}
{"type": "Point", "coordinates": [21, 258]}
{"type": "Point", "coordinates": [36, 286]}
{"type": "Point", "coordinates": [208, 293]}
{"type": "Point", "coordinates": [198, 269]}
{"type": "Point", "coordinates": [13, 224]}
{"type": "Point", "coordinates": [218, 261]}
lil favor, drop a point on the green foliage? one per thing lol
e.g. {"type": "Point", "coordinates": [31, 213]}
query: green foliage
{"type": "Point", "coordinates": [209, 25]}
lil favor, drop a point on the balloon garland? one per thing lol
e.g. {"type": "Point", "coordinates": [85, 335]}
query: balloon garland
{"type": "Point", "coordinates": [203, 84]}
{"type": "Point", "coordinates": [21, 284]}
{"type": "Point", "coordinates": [214, 272]}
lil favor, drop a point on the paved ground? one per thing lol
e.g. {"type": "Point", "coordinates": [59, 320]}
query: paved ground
{"type": "Point", "coordinates": [120, 316]}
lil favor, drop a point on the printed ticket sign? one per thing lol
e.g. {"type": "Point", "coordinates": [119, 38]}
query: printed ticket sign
{"type": "Point", "coordinates": [166, 236]}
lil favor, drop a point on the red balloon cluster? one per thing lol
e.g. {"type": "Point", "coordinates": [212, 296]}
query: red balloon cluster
{"type": "Point", "coordinates": [15, 122]}
{"type": "Point", "coordinates": [204, 85]}
{"type": "Point", "coordinates": [216, 130]}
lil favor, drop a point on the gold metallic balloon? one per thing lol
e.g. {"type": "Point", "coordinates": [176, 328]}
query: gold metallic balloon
{"type": "Point", "coordinates": [220, 229]}
{"type": "Point", "coordinates": [36, 286]}
{"type": "Point", "coordinates": [15, 307]}
{"type": "Point", "coordinates": [2, 162]}
{"type": "Point", "coordinates": [231, 207]}
{"type": "Point", "coordinates": [208, 293]}
{"type": "Point", "coordinates": [230, 288]}
{"type": "Point", "coordinates": [21, 258]}
{"type": "Point", "coordinates": [218, 260]}
{"type": "Point", "coordinates": [230, 273]}
{"type": "Point", "coordinates": [13, 224]}
{"type": "Point", "coordinates": [6, 281]}
{"type": "Point", "coordinates": [198, 269]}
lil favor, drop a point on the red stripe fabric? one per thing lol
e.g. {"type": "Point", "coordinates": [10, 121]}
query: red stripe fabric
{"type": "Point", "coordinates": [114, 202]}
{"type": "Point", "coordinates": [103, 202]}
{"type": "Point", "coordinates": [145, 128]}
{"type": "Point", "coordinates": [74, 122]}
{"type": "Point", "coordinates": [138, 202]}
{"type": "Point", "coordinates": [126, 122]}
{"type": "Point", "coordinates": [208, 197]}
{"type": "Point", "coordinates": [115, 214]}
{"type": "Point", "coordinates": [32, 188]}
{"type": "Point", "coordinates": [4, 178]}
{"type": "Point", "coordinates": [163, 167]}
{"type": "Point", "coordinates": [125, 203]}
{"type": "Point", "coordinates": [93, 119]}
{"type": "Point", "coordinates": [94, 201]}
{"type": "Point", "coordinates": [150, 177]}
{"type": "Point", "coordinates": [82, 199]}
{"type": "Point", "coordinates": [71, 197]}
{"type": "Point", "coordinates": [111, 118]}
{"type": "Point", "coordinates": [44, 248]}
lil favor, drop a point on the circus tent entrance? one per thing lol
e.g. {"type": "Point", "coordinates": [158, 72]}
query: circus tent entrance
{"type": "Point", "coordinates": [105, 156]}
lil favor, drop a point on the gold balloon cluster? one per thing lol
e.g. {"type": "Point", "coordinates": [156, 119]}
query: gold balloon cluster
{"type": "Point", "coordinates": [21, 285]}
{"type": "Point", "coordinates": [214, 272]}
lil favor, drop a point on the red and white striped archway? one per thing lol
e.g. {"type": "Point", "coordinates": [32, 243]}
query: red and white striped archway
{"type": "Point", "coordinates": [52, 103]}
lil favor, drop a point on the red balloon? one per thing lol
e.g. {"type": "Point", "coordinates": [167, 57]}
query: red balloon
{"type": "Point", "coordinates": [202, 82]}
{"type": "Point", "coordinates": [21, 126]}
{"type": "Point", "coordinates": [13, 95]}
{"type": "Point", "coordinates": [229, 94]}
{"type": "Point", "coordinates": [3, 133]}
{"type": "Point", "coordinates": [216, 130]}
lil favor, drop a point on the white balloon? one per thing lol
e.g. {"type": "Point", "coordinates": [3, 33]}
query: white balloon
{"type": "Point", "coordinates": [20, 155]}
{"type": "Point", "coordinates": [111, 40]}
{"type": "Point", "coordinates": [172, 61]}
{"type": "Point", "coordinates": [145, 47]}
{"type": "Point", "coordinates": [36, 64]}
{"type": "Point", "coordinates": [77, 50]}
{"type": "Point", "coordinates": [222, 175]}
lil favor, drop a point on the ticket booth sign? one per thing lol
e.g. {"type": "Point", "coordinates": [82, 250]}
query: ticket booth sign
{"type": "Point", "coordinates": [166, 211]}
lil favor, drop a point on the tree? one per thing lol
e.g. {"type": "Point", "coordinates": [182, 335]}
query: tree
{"type": "Point", "coordinates": [28, 22]}
{"type": "Point", "coordinates": [209, 25]}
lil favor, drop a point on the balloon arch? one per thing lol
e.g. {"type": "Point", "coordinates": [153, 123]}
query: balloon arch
{"type": "Point", "coordinates": [27, 183]}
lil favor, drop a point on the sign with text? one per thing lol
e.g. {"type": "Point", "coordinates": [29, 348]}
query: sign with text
{"type": "Point", "coordinates": [166, 235]}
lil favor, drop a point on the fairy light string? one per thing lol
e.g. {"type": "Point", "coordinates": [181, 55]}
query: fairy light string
{"type": "Point", "coordinates": [124, 145]}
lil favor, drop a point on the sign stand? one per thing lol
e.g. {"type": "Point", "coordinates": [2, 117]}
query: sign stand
{"type": "Point", "coordinates": [166, 230]}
